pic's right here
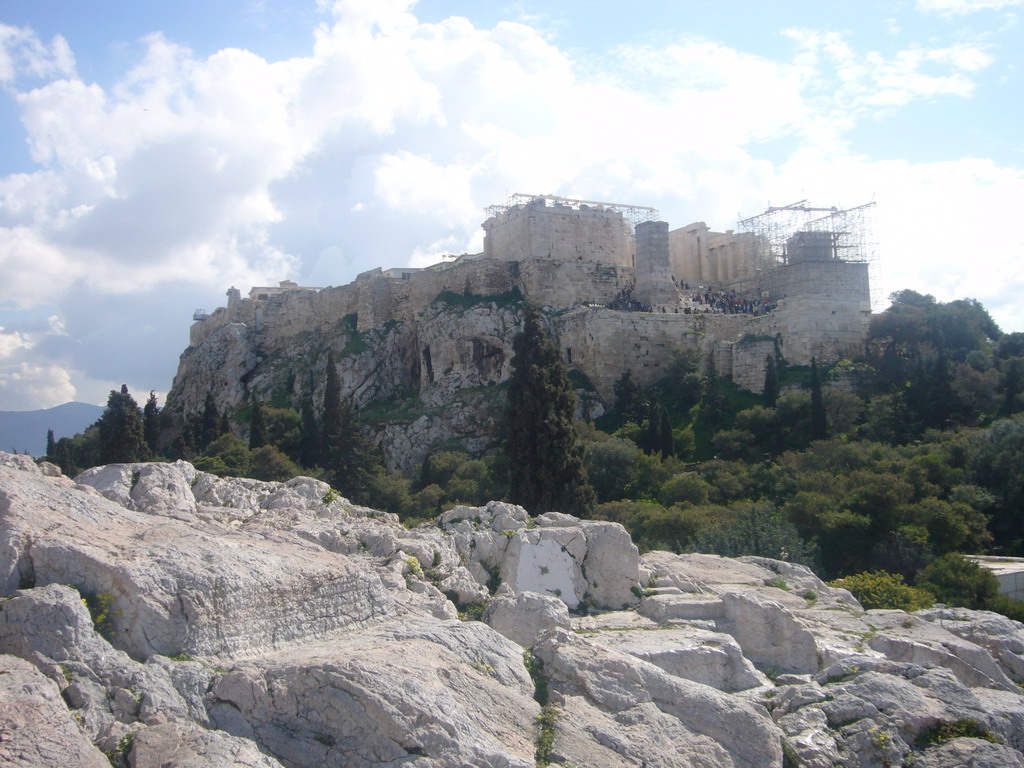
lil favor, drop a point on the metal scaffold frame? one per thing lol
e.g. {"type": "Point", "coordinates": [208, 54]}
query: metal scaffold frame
{"type": "Point", "coordinates": [634, 214]}
{"type": "Point", "coordinates": [850, 228]}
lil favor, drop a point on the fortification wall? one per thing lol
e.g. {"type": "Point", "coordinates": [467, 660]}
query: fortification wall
{"type": "Point", "coordinates": [603, 343]}
{"type": "Point", "coordinates": [749, 360]}
{"type": "Point", "coordinates": [654, 284]}
{"type": "Point", "coordinates": [570, 283]}
{"type": "Point", "coordinates": [846, 280]}
{"type": "Point", "coordinates": [558, 232]}
{"type": "Point", "coordinates": [826, 309]}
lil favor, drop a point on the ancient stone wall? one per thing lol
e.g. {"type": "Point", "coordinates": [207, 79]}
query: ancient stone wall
{"type": "Point", "coordinates": [654, 284]}
{"type": "Point", "coordinates": [603, 343]}
{"type": "Point", "coordinates": [827, 309]}
{"type": "Point", "coordinates": [559, 232]}
{"type": "Point", "coordinates": [570, 283]}
{"type": "Point", "coordinates": [749, 361]}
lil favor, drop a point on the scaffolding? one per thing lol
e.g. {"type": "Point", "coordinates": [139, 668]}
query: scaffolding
{"type": "Point", "coordinates": [783, 234]}
{"type": "Point", "coordinates": [634, 214]}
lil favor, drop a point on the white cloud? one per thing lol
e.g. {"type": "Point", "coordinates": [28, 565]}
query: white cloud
{"type": "Point", "coordinates": [23, 54]}
{"type": "Point", "coordinates": [852, 84]}
{"type": "Point", "coordinates": [25, 384]}
{"type": "Point", "coordinates": [28, 387]}
{"type": "Point", "coordinates": [384, 144]}
{"type": "Point", "coordinates": [963, 7]}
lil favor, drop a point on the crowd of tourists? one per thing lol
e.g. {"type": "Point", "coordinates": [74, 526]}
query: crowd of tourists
{"type": "Point", "coordinates": [726, 303]}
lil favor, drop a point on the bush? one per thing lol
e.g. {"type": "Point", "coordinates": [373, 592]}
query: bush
{"type": "Point", "coordinates": [686, 486]}
{"type": "Point", "coordinates": [270, 463]}
{"type": "Point", "coordinates": [754, 529]}
{"type": "Point", "coordinates": [880, 589]}
{"type": "Point", "coordinates": [955, 580]}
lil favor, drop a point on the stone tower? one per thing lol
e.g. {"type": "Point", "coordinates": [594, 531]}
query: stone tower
{"type": "Point", "coordinates": [654, 284]}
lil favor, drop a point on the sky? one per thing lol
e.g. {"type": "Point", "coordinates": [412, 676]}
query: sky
{"type": "Point", "coordinates": [155, 154]}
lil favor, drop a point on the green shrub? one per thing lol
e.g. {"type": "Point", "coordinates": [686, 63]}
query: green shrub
{"type": "Point", "coordinates": [880, 589]}
{"type": "Point", "coordinates": [955, 580]}
{"type": "Point", "coordinates": [946, 731]}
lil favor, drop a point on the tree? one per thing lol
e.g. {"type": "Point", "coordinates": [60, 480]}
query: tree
{"type": "Point", "coordinates": [955, 580]}
{"type": "Point", "coordinates": [770, 393]}
{"type": "Point", "coordinates": [819, 426]}
{"type": "Point", "coordinates": [257, 428]}
{"type": "Point", "coordinates": [666, 440]}
{"type": "Point", "coordinates": [629, 402]}
{"type": "Point", "coordinates": [546, 467]}
{"type": "Point", "coordinates": [121, 435]}
{"type": "Point", "coordinates": [714, 409]}
{"type": "Point", "coordinates": [151, 423]}
{"type": "Point", "coordinates": [309, 453]}
{"type": "Point", "coordinates": [51, 445]}
{"type": "Point", "coordinates": [63, 457]}
{"type": "Point", "coordinates": [753, 529]}
{"type": "Point", "coordinates": [346, 451]}
{"type": "Point", "coordinates": [1011, 386]}
{"type": "Point", "coordinates": [209, 423]}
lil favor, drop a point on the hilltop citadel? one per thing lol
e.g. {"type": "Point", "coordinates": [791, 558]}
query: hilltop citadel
{"type": "Point", "coordinates": [620, 289]}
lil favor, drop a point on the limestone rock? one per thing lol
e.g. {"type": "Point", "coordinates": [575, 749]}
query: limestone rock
{"type": "Point", "coordinates": [970, 753]}
{"type": "Point", "coordinates": [523, 617]}
{"type": "Point", "coordinates": [710, 658]}
{"type": "Point", "coordinates": [575, 562]}
{"type": "Point", "coordinates": [323, 637]}
{"type": "Point", "coordinates": [176, 588]}
{"type": "Point", "coordinates": [424, 694]}
{"type": "Point", "coordinates": [20, 462]}
{"type": "Point", "coordinates": [36, 728]}
{"type": "Point", "coordinates": [51, 627]}
{"type": "Point", "coordinates": [175, 745]}
{"type": "Point", "coordinates": [620, 710]}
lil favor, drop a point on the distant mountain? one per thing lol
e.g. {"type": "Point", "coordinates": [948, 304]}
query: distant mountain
{"type": "Point", "coordinates": [25, 431]}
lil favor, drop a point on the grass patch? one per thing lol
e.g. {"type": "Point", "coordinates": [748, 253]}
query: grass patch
{"type": "Point", "coordinates": [546, 722]}
{"type": "Point", "coordinates": [945, 730]}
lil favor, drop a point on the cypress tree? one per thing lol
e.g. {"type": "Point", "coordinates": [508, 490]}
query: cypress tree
{"type": "Point", "coordinates": [347, 452]}
{"type": "Point", "coordinates": [546, 468]}
{"type": "Point", "coordinates": [209, 423]}
{"type": "Point", "coordinates": [151, 423]}
{"type": "Point", "coordinates": [650, 437]}
{"type": "Point", "coordinates": [121, 435]}
{"type": "Point", "coordinates": [627, 397]}
{"type": "Point", "coordinates": [51, 445]}
{"type": "Point", "coordinates": [257, 428]}
{"type": "Point", "coordinates": [309, 439]}
{"type": "Point", "coordinates": [819, 428]}
{"type": "Point", "coordinates": [667, 440]}
{"type": "Point", "coordinates": [770, 393]}
{"type": "Point", "coordinates": [63, 457]}
{"type": "Point", "coordinates": [1011, 387]}
{"type": "Point", "coordinates": [331, 421]}
{"type": "Point", "coordinates": [714, 405]}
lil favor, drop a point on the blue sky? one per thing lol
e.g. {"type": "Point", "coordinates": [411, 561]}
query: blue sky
{"type": "Point", "coordinates": [156, 154]}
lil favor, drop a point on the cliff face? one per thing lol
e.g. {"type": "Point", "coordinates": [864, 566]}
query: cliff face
{"type": "Point", "coordinates": [230, 622]}
{"type": "Point", "coordinates": [442, 368]}
{"type": "Point", "coordinates": [437, 346]}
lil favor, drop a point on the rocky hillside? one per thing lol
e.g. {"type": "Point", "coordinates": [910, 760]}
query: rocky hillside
{"type": "Point", "coordinates": [159, 616]}
{"type": "Point", "coordinates": [436, 375]}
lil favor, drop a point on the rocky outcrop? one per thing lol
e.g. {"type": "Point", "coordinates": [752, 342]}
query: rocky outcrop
{"type": "Point", "coordinates": [444, 363]}
{"type": "Point", "coordinates": [38, 729]}
{"type": "Point", "coordinates": [155, 615]}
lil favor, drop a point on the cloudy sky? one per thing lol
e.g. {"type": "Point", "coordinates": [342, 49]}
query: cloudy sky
{"type": "Point", "coordinates": [155, 154]}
